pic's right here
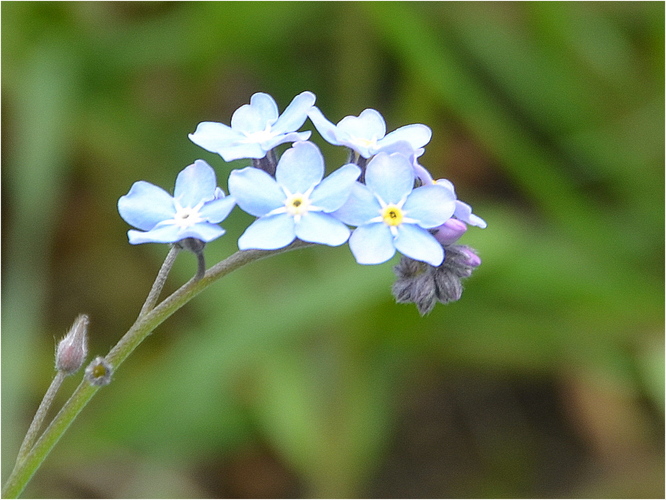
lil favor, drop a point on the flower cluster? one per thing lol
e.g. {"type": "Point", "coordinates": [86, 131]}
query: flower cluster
{"type": "Point", "coordinates": [382, 201]}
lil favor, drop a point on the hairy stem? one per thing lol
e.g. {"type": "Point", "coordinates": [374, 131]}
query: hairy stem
{"type": "Point", "coordinates": [142, 327]}
{"type": "Point", "coordinates": [38, 420]}
{"type": "Point", "coordinates": [160, 280]}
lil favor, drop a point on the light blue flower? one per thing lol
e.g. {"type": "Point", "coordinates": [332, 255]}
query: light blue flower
{"type": "Point", "coordinates": [194, 210]}
{"type": "Point", "coordinates": [255, 128]}
{"type": "Point", "coordinates": [297, 203]}
{"type": "Point", "coordinates": [391, 215]}
{"type": "Point", "coordinates": [366, 133]}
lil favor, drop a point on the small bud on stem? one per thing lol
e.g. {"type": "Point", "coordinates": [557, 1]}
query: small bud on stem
{"type": "Point", "coordinates": [72, 350]}
{"type": "Point", "coordinates": [70, 355]}
{"type": "Point", "coordinates": [99, 372]}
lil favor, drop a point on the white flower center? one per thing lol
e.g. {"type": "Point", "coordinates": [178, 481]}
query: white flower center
{"type": "Point", "coordinates": [296, 205]}
{"type": "Point", "coordinates": [187, 216]}
{"type": "Point", "coordinates": [366, 143]}
{"type": "Point", "coordinates": [260, 136]}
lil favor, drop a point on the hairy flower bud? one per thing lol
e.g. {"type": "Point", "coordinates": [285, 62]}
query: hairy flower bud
{"type": "Point", "coordinates": [425, 285]}
{"type": "Point", "coordinates": [469, 256]}
{"type": "Point", "coordinates": [99, 372]}
{"type": "Point", "coordinates": [72, 350]}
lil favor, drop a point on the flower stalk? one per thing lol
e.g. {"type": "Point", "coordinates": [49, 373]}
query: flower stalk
{"type": "Point", "coordinates": [142, 327]}
{"type": "Point", "coordinates": [38, 419]}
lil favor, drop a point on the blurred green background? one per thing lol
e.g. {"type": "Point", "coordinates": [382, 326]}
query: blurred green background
{"type": "Point", "coordinates": [299, 376]}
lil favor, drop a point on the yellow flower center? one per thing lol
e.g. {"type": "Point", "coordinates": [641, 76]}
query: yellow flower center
{"type": "Point", "coordinates": [297, 205]}
{"type": "Point", "coordinates": [392, 215]}
{"type": "Point", "coordinates": [366, 142]}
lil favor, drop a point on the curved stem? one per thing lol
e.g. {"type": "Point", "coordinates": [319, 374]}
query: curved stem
{"type": "Point", "coordinates": [141, 328]}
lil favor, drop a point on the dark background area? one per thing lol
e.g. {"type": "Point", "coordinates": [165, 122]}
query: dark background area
{"type": "Point", "coordinates": [299, 376]}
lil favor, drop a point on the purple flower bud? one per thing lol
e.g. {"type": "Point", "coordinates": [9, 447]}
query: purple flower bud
{"type": "Point", "coordinates": [469, 257]}
{"type": "Point", "coordinates": [73, 348]}
{"type": "Point", "coordinates": [450, 231]}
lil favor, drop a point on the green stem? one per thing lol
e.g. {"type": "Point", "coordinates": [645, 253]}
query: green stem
{"type": "Point", "coordinates": [160, 280]}
{"type": "Point", "coordinates": [38, 420]}
{"type": "Point", "coordinates": [143, 326]}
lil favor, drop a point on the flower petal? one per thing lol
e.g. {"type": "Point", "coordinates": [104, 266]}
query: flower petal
{"type": "Point", "coordinates": [447, 184]}
{"type": "Point", "coordinates": [369, 125]}
{"type": "Point", "coordinates": [265, 106]}
{"type": "Point", "coordinates": [255, 191]}
{"type": "Point", "coordinates": [217, 210]}
{"type": "Point", "coordinates": [318, 227]}
{"type": "Point", "coordinates": [171, 233]}
{"type": "Point", "coordinates": [194, 184]}
{"type": "Point", "coordinates": [167, 233]}
{"type": "Point", "coordinates": [300, 167]}
{"type": "Point", "coordinates": [464, 213]}
{"type": "Point", "coordinates": [372, 244]}
{"type": "Point", "coordinates": [390, 176]}
{"type": "Point", "coordinates": [294, 115]}
{"type": "Point", "coordinates": [214, 137]}
{"type": "Point", "coordinates": [422, 173]}
{"type": "Point", "coordinates": [417, 135]}
{"type": "Point", "coordinates": [430, 205]}
{"type": "Point", "coordinates": [268, 233]}
{"type": "Point", "coordinates": [242, 150]}
{"type": "Point", "coordinates": [325, 128]}
{"type": "Point", "coordinates": [360, 207]}
{"type": "Point", "coordinates": [203, 231]}
{"type": "Point", "coordinates": [334, 190]}
{"type": "Point", "coordinates": [146, 205]}
{"type": "Point", "coordinates": [274, 141]}
{"type": "Point", "coordinates": [247, 120]}
{"type": "Point", "coordinates": [418, 244]}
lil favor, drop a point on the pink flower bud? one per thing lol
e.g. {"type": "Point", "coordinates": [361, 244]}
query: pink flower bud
{"type": "Point", "coordinates": [470, 257]}
{"type": "Point", "coordinates": [73, 348]}
{"type": "Point", "coordinates": [450, 231]}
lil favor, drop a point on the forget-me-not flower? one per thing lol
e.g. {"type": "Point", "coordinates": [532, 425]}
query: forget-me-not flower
{"type": "Point", "coordinates": [297, 203]}
{"type": "Point", "coordinates": [366, 133]}
{"type": "Point", "coordinates": [391, 215]}
{"type": "Point", "coordinates": [256, 128]}
{"type": "Point", "coordinates": [194, 210]}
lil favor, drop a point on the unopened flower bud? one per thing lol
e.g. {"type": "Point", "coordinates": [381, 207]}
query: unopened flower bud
{"type": "Point", "coordinates": [450, 231]}
{"type": "Point", "coordinates": [72, 350]}
{"type": "Point", "coordinates": [470, 258]}
{"type": "Point", "coordinates": [425, 285]}
{"type": "Point", "coordinates": [99, 372]}
{"type": "Point", "coordinates": [415, 284]}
